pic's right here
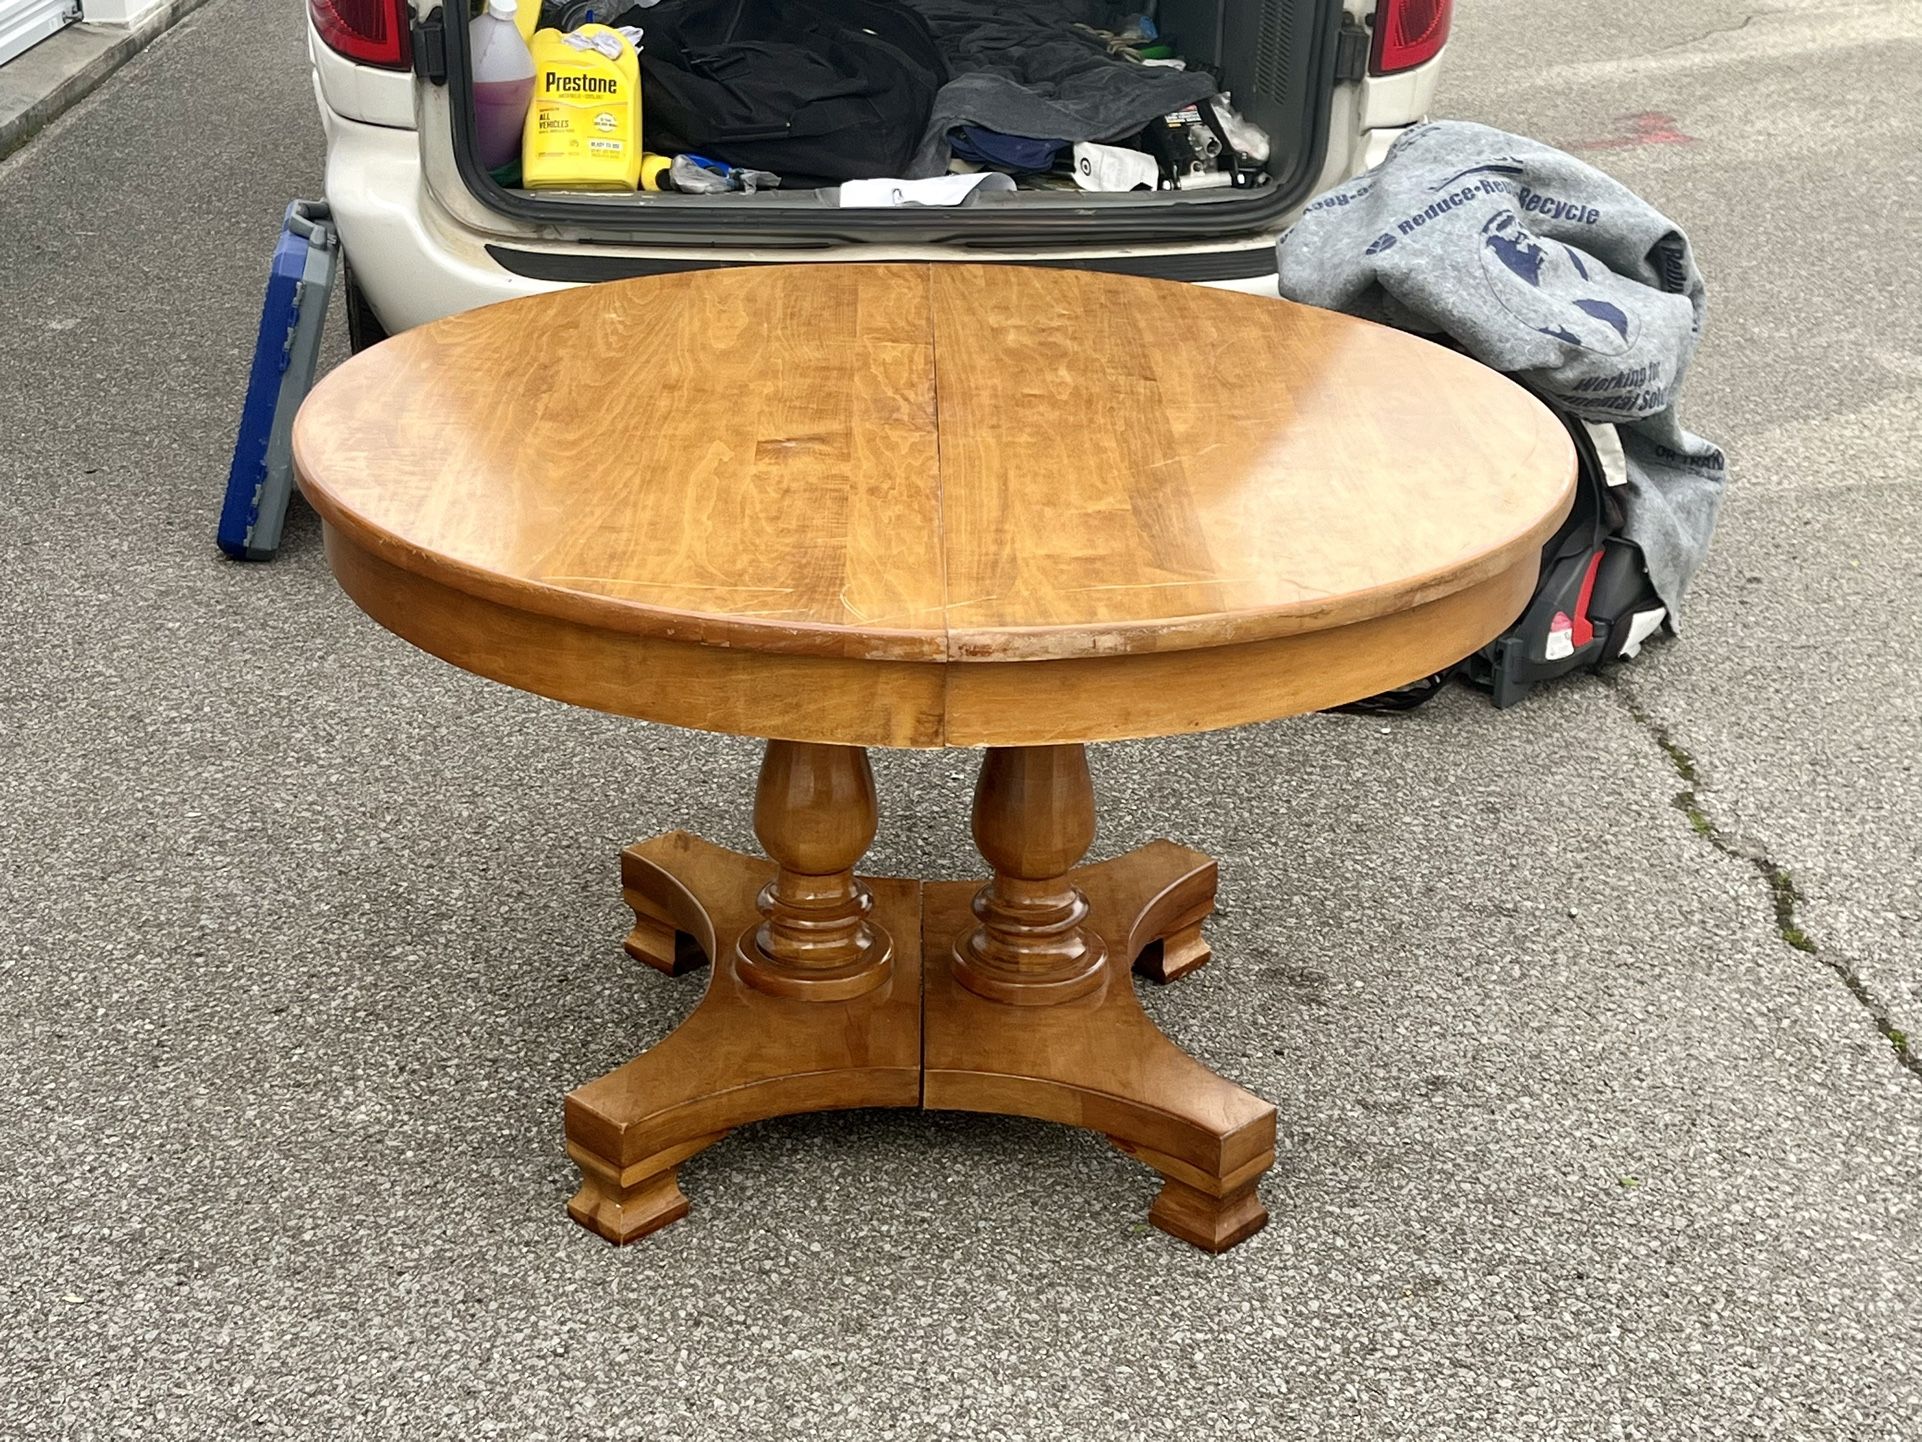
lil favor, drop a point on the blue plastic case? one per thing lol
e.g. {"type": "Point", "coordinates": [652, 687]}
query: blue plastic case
{"type": "Point", "coordinates": [260, 481]}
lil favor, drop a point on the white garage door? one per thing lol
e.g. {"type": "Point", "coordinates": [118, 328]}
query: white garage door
{"type": "Point", "coordinates": [25, 23]}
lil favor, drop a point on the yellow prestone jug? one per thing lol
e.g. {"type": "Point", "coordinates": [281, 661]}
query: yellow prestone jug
{"type": "Point", "coordinates": [584, 123]}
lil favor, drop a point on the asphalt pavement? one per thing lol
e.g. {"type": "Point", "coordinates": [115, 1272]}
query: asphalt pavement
{"type": "Point", "coordinates": [1592, 1024]}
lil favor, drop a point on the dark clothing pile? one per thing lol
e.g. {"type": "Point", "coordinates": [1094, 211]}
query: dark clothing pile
{"type": "Point", "coordinates": [820, 91]}
{"type": "Point", "coordinates": [814, 90]}
{"type": "Point", "coordinates": [1020, 68]}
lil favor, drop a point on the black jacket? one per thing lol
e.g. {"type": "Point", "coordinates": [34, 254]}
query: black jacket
{"type": "Point", "coordinates": [813, 90]}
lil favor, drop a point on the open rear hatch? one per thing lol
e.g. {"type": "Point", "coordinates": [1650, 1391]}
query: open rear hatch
{"type": "Point", "coordinates": [1275, 59]}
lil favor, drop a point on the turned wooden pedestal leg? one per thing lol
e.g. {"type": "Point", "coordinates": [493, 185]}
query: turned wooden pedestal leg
{"type": "Point", "coordinates": [1029, 1009]}
{"type": "Point", "coordinates": [813, 1004]}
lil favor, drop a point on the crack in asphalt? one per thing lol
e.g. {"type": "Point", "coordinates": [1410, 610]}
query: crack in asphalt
{"type": "Point", "coordinates": [1784, 897]}
{"type": "Point", "coordinates": [1741, 24]}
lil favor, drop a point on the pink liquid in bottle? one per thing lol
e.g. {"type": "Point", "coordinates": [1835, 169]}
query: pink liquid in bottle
{"type": "Point", "coordinates": [500, 108]}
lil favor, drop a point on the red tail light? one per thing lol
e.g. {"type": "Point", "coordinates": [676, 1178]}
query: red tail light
{"type": "Point", "coordinates": [1409, 33]}
{"type": "Point", "coordinates": [371, 32]}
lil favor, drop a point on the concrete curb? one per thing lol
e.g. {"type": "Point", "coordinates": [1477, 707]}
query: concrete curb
{"type": "Point", "coordinates": [62, 70]}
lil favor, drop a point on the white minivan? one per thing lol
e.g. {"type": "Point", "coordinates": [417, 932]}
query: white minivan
{"type": "Point", "coordinates": [428, 232]}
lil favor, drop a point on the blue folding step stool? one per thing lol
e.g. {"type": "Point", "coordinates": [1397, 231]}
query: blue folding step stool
{"type": "Point", "coordinates": [261, 479]}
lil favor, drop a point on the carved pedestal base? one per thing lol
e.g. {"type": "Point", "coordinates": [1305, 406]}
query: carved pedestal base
{"type": "Point", "coordinates": [820, 997]}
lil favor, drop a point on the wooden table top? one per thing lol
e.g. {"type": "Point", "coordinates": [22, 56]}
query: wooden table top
{"type": "Point", "coordinates": [850, 470]}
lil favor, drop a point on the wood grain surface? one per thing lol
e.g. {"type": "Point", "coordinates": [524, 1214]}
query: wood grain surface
{"type": "Point", "coordinates": [927, 489]}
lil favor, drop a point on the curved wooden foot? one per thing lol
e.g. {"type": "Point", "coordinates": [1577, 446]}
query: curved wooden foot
{"type": "Point", "coordinates": [1180, 953]}
{"type": "Point", "coordinates": [1211, 1212]}
{"type": "Point", "coordinates": [624, 1206]}
{"type": "Point", "coordinates": [1096, 1060]}
{"type": "Point", "coordinates": [654, 939]}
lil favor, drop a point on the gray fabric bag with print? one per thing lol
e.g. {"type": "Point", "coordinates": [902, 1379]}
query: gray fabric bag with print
{"type": "Point", "coordinates": [1541, 267]}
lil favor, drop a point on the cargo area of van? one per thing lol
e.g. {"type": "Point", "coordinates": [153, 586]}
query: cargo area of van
{"type": "Point", "coordinates": [976, 120]}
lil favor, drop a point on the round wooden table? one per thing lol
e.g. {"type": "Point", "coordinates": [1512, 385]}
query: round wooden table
{"type": "Point", "coordinates": [911, 505]}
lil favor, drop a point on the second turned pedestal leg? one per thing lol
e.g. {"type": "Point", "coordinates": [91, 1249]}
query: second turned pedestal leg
{"type": "Point", "coordinates": [1029, 1009]}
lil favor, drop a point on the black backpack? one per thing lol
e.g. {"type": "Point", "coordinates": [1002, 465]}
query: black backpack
{"type": "Point", "coordinates": [817, 91]}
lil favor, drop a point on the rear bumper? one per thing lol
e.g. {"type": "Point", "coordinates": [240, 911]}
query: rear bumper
{"type": "Point", "coordinates": [415, 263]}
